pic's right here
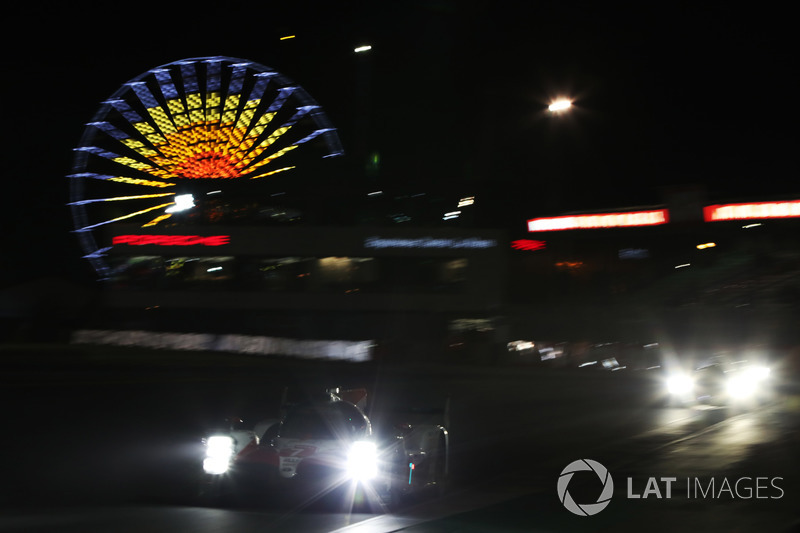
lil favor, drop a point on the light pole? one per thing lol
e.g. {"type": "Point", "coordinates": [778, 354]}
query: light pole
{"type": "Point", "coordinates": [554, 165]}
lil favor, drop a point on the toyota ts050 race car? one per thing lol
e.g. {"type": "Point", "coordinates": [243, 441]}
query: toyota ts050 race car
{"type": "Point", "coordinates": [737, 384]}
{"type": "Point", "coordinates": [322, 445]}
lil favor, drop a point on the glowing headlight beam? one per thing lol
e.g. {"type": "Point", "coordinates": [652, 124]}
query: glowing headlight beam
{"type": "Point", "coordinates": [219, 450]}
{"type": "Point", "coordinates": [362, 461]}
{"type": "Point", "coordinates": [741, 387]}
{"type": "Point", "coordinates": [679, 384]}
{"type": "Point", "coordinates": [759, 373]}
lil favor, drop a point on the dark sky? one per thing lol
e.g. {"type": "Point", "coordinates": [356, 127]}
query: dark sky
{"type": "Point", "coordinates": [452, 96]}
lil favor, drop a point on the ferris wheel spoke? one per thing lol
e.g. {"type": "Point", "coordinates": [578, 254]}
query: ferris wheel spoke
{"type": "Point", "coordinates": [253, 101]}
{"type": "Point", "coordinates": [272, 172]}
{"type": "Point", "coordinates": [156, 220]}
{"type": "Point", "coordinates": [189, 76]}
{"type": "Point", "coordinates": [145, 129]}
{"type": "Point", "coordinates": [193, 98]}
{"type": "Point", "coordinates": [157, 113]}
{"type": "Point", "coordinates": [261, 162]}
{"type": "Point", "coordinates": [100, 252]}
{"type": "Point", "coordinates": [230, 107]}
{"type": "Point", "coordinates": [127, 162]}
{"type": "Point", "coordinates": [253, 154]}
{"type": "Point", "coordinates": [122, 179]}
{"type": "Point", "coordinates": [313, 135]}
{"type": "Point", "coordinates": [121, 198]}
{"type": "Point", "coordinates": [283, 95]}
{"type": "Point", "coordinates": [124, 217]}
{"type": "Point", "coordinates": [134, 144]}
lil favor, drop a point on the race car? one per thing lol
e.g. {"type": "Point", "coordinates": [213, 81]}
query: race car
{"type": "Point", "coordinates": [737, 384]}
{"type": "Point", "coordinates": [325, 444]}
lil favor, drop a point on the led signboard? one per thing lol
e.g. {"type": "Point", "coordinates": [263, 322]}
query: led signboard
{"type": "Point", "coordinates": [528, 245]}
{"type": "Point", "coordinates": [750, 211]}
{"type": "Point", "coordinates": [429, 242]}
{"type": "Point", "coordinates": [172, 240]}
{"type": "Point", "coordinates": [602, 220]}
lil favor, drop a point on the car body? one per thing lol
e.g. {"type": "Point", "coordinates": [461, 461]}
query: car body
{"type": "Point", "coordinates": [326, 444]}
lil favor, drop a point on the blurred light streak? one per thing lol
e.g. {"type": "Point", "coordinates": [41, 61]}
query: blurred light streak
{"type": "Point", "coordinates": [130, 215]}
{"type": "Point", "coordinates": [600, 220]}
{"type": "Point", "coordinates": [156, 221]}
{"type": "Point", "coordinates": [183, 202]}
{"type": "Point", "coordinates": [119, 198]}
{"type": "Point", "coordinates": [284, 169]}
{"type": "Point", "coordinates": [757, 210]}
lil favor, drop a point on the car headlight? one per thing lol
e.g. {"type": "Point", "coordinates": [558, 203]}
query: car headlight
{"type": "Point", "coordinates": [741, 387]}
{"type": "Point", "coordinates": [679, 384]}
{"type": "Point", "coordinates": [219, 450]}
{"type": "Point", "coordinates": [758, 373]}
{"type": "Point", "coordinates": [362, 461]}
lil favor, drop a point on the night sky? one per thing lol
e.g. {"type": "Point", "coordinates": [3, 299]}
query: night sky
{"type": "Point", "coordinates": [452, 96]}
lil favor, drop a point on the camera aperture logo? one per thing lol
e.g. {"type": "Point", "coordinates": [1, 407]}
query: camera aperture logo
{"type": "Point", "coordinates": [585, 509]}
{"type": "Point", "coordinates": [743, 488]}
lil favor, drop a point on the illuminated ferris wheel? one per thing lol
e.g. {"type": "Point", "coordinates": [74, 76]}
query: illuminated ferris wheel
{"type": "Point", "coordinates": [184, 130]}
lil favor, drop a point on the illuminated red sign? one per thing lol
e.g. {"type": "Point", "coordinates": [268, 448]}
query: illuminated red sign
{"type": "Point", "coordinates": [172, 240]}
{"type": "Point", "coordinates": [601, 220]}
{"type": "Point", "coordinates": [758, 210]}
{"type": "Point", "coordinates": [528, 245]}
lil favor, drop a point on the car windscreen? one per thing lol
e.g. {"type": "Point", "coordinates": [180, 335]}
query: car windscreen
{"type": "Point", "coordinates": [306, 424]}
{"type": "Point", "coordinates": [323, 422]}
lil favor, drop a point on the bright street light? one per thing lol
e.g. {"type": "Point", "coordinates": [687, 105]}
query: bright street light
{"type": "Point", "coordinates": [559, 105]}
{"type": "Point", "coordinates": [365, 48]}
